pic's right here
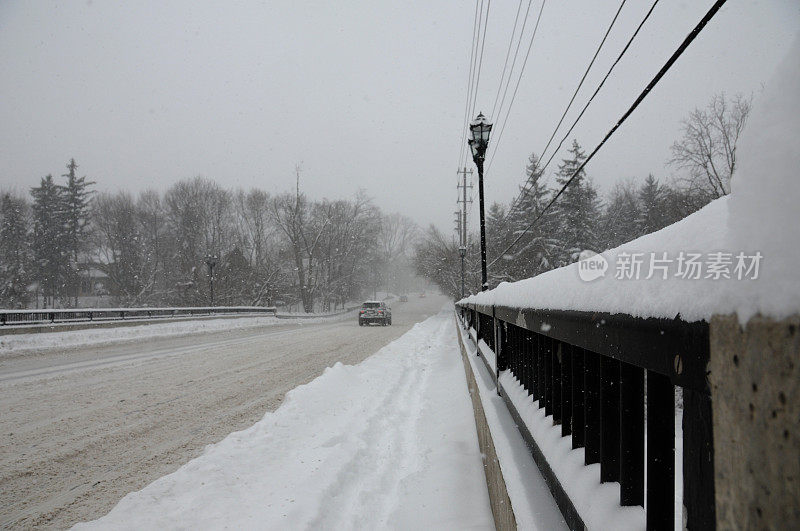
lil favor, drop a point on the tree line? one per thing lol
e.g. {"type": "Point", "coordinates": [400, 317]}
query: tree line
{"type": "Point", "coordinates": [579, 220]}
{"type": "Point", "coordinates": [159, 249]}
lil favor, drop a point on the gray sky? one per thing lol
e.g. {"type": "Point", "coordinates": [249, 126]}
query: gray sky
{"type": "Point", "coordinates": [362, 94]}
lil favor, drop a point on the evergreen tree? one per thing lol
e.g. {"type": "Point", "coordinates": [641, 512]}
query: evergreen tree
{"type": "Point", "coordinates": [619, 221]}
{"type": "Point", "coordinates": [49, 239]}
{"type": "Point", "coordinates": [577, 210]}
{"type": "Point", "coordinates": [15, 258]}
{"type": "Point", "coordinates": [75, 195]}
{"type": "Point", "coordinates": [536, 251]}
{"type": "Point", "coordinates": [499, 233]}
{"type": "Point", "coordinates": [651, 210]}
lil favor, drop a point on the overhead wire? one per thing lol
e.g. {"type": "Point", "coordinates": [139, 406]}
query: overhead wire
{"type": "Point", "coordinates": [647, 90]}
{"type": "Point", "coordinates": [508, 54]}
{"type": "Point", "coordinates": [514, 60]}
{"type": "Point", "coordinates": [473, 49]}
{"type": "Point", "coordinates": [574, 94]}
{"type": "Point", "coordinates": [585, 73]}
{"type": "Point", "coordinates": [516, 88]}
{"type": "Point", "coordinates": [586, 106]}
{"type": "Point", "coordinates": [483, 45]}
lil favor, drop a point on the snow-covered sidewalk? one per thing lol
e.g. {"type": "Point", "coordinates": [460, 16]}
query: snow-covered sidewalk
{"type": "Point", "coordinates": [387, 443]}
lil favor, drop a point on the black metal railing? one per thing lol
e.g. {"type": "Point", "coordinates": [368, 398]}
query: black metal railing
{"type": "Point", "coordinates": [609, 382]}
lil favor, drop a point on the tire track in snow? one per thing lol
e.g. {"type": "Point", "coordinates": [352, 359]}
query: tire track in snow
{"type": "Point", "coordinates": [387, 450]}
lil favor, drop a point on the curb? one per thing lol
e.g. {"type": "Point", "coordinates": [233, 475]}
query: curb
{"type": "Point", "coordinates": [502, 511]}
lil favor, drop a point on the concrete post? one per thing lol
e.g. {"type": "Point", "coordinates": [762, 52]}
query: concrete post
{"type": "Point", "coordinates": [755, 389]}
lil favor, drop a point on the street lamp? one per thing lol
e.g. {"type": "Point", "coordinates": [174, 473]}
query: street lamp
{"type": "Point", "coordinates": [478, 142]}
{"type": "Point", "coordinates": [211, 261]}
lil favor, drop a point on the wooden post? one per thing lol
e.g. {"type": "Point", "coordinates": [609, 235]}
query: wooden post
{"type": "Point", "coordinates": [660, 452]}
{"type": "Point", "coordinates": [609, 412]}
{"type": "Point", "coordinates": [566, 390]}
{"type": "Point", "coordinates": [592, 398]}
{"type": "Point", "coordinates": [578, 418]}
{"type": "Point", "coordinates": [631, 455]}
{"type": "Point", "coordinates": [698, 461]}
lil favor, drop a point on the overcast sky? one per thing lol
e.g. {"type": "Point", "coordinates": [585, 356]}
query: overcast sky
{"type": "Point", "coordinates": [362, 94]}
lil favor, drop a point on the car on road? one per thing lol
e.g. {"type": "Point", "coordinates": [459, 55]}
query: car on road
{"type": "Point", "coordinates": [374, 312]}
{"type": "Point", "coordinates": [403, 298]}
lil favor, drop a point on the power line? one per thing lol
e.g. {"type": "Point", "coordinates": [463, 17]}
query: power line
{"type": "Point", "coordinates": [521, 72]}
{"type": "Point", "coordinates": [514, 60]}
{"type": "Point", "coordinates": [574, 94]}
{"type": "Point", "coordinates": [472, 51]}
{"type": "Point", "coordinates": [508, 53]}
{"type": "Point", "coordinates": [480, 62]}
{"type": "Point", "coordinates": [585, 73]}
{"type": "Point", "coordinates": [586, 106]}
{"type": "Point", "coordinates": [600, 85]}
{"type": "Point", "coordinates": [685, 44]}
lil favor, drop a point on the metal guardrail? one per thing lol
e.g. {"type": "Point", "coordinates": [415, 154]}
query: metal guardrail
{"type": "Point", "coordinates": [78, 315]}
{"type": "Point", "coordinates": [595, 373]}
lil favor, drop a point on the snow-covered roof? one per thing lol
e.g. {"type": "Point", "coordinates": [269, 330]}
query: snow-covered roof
{"type": "Point", "coordinates": [757, 224]}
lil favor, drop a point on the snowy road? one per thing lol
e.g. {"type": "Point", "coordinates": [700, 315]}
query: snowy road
{"type": "Point", "coordinates": [389, 443]}
{"type": "Point", "coordinates": [83, 427]}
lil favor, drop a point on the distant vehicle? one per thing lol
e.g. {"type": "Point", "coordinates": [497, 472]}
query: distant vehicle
{"type": "Point", "coordinates": [422, 295]}
{"type": "Point", "coordinates": [374, 312]}
{"type": "Point", "coordinates": [403, 298]}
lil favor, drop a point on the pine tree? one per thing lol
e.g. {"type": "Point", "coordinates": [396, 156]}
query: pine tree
{"type": "Point", "coordinates": [498, 236]}
{"type": "Point", "coordinates": [651, 210]}
{"type": "Point", "coordinates": [535, 251]}
{"type": "Point", "coordinates": [577, 210]}
{"type": "Point", "coordinates": [49, 242]}
{"type": "Point", "coordinates": [15, 257]}
{"type": "Point", "coordinates": [75, 195]}
{"type": "Point", "coordinates": [619, 220]}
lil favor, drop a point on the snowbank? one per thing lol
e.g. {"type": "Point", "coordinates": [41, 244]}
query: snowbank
{"type": "Point", "coordinates": [387, 443]}
{"type": "Point", "coordinates": [760, 217]}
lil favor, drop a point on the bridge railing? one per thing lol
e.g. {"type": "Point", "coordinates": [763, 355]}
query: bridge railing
{"type": "Point", "coordinates": [76, 315]}
{"type": "Point", "coordinates": [609, 382]}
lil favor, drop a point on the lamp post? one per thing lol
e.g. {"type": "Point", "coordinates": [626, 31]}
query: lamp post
{"type": "Point", "coordinates": [478, 142]}
{"type": "Point", "coordinates": [211, 261]}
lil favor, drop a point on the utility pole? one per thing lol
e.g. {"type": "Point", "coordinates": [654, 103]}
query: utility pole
{"type": "Point", "coordinates": [462, 248]}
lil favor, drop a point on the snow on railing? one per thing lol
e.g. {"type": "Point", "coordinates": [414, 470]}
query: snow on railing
{"type": "Point", "coordinates": [594, 375]}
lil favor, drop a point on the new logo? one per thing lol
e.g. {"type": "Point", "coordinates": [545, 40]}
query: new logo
{"type": "Point", "coordinates": [591, 266]}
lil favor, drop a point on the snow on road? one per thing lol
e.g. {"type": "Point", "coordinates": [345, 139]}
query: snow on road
{"type": "Point", "coordinates": [84, 426]}
{"type": "Point", "coordinates": [389, 442]}
{"type": "Point", "coordinates": [14, 344]}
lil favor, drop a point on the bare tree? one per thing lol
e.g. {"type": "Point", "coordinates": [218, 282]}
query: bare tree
{"type": "Point", "coordinates": [154, 236]}
{"type": "Point", "coordinates": [708, 146]}
{"type": "Point", "coordinates": [200, 217]}
{"type": "Point", "coordinates": [118, 245]}
{"type": "Point", "coordinates": [395, 241]}
{"type": "Point", "coordinates": [303, 227]}
{"type": "Point", "coordinates": [436, 258]}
